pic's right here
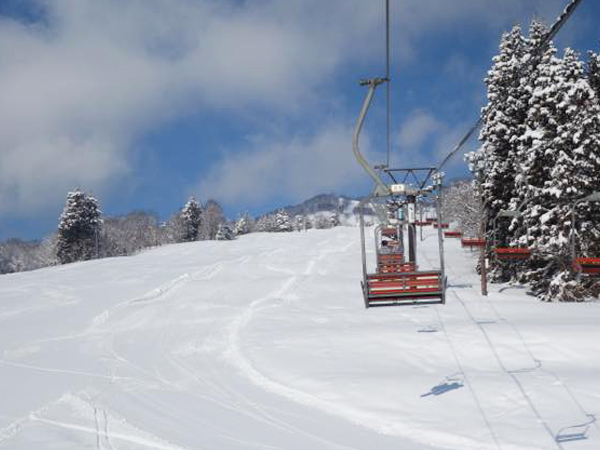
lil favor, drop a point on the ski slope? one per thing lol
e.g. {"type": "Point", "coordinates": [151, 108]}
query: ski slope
{"type": "Point", "coordinates": [264, 343]}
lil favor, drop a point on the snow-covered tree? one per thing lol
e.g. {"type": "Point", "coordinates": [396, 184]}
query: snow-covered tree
{"type": "Point", "coordinates": [334, 219]}
{"type": "Point", "coordinates": [593, 73]}
{"type": "Point", "coordinates": [79, 228]}
{"type": "Point", "coordinates": [298, 222]}
{"type": "Point", "coordinates": [322, 222]}
{"type": "Point", "coordinates": [224, 232]}
{"type": "Point", "coordinates": [496, 164]}
{"type": "Point", "coordinates": [562, 165]}
{"type": "Point", "coordinates": [191, 216]}
{"type": "Point", "coordinates": [282, 221]}
{"type": "Point", "coordinates": [308, 224]}
{"type": "Point", "coordinates": [212, 218]}
{"type": "Point", "coordinates": [242, 225]}
{"type": "Point", "coordinates": [127, 235]}
{"type": "Point", "coordinates": [461, 204]}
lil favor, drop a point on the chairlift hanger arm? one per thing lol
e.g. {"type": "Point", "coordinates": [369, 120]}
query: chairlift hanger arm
{"type": "Point", "coordinates": [380, 187]}
{"type": "Point", "coordinates": [562, 19]}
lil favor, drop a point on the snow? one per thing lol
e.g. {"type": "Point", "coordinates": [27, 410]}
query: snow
{"type": "Point", "coordinates": [264, 343]}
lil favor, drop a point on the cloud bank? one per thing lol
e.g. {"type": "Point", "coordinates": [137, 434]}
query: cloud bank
{"type": "Point", "coordinates": [80, 85]}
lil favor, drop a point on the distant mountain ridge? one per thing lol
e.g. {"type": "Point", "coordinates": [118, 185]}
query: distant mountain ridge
{"type": "Point", "coordinates": [326, 205]}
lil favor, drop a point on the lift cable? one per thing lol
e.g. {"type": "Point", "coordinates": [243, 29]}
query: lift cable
{"type": "Point", "coordinates": [532, 62]}
{"type": "Point", "coordinates": [387, 76]}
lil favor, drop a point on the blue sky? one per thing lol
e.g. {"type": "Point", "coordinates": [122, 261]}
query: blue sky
{"type": "Point", "coordinates": [252, 103]}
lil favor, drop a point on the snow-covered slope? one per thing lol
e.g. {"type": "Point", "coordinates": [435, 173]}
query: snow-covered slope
{"type": "Point", "coordinates": [264, 343]}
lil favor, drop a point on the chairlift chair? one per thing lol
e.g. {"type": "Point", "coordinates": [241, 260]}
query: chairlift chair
{"type": "Point", "coordinates": [584, 265]}
{"type": "Point", "coordinates": [510, 254]}
{"type": "Point", "coordinates": [399, 282]}
{"type": "Point", "coordinates": [397, 287]}
{"type": "Point", "coordinates": [441, 225]}
{"type": "Point", "coordinates": [453, 234]}
{"type": "Point", "coordinates": [473, 242]}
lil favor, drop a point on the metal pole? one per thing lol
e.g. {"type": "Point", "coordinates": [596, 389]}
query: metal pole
{"type": "Point", "coordinates": [440, 235]}
{"type": "Point", "coordinates": [361, 205]}
{"type": "Point", "coordinates": [381, 188]}
{"type": "Point", "coordinates": [412, 242]}
{"type": "Point", "coordinates": [482, 262]}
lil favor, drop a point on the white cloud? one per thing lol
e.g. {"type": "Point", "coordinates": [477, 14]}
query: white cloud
{"type": "Point", "coordinates": [418, 128]}
{"type": "Point", "coordinates": [424, 139]}
{"type": "Point", "coordinates": [294, 168]}
{"type": "Point", "coordinates": [78, 89]}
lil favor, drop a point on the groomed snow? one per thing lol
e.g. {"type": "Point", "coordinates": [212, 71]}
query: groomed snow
{"type": "Point", "coordinates": [264, 343]}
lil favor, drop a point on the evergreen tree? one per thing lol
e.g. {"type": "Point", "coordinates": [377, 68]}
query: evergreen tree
{"type": "Point", "coordinates": [242, 225]}
{"type": "Point", "coordinates": [565, 120]}
{"type": "Point", "coordinates": [593, 73]}
{"type": "Point", "coordinates": [191, 216]}
{"type": "Point", "coordinates": [299, 222]}
{"type": "Point", "coordinates": [282, 221]}
{"type": "Point", "coordinates": [224, 232]}
{"type": "Point", "coordinates": [78, 229]}
{"type": "Point", "coordinates": [334, 219]}
{"type": "Point", "coordinates": [498, 164]}
{"type": "Point", "coordinates": [307, 222]}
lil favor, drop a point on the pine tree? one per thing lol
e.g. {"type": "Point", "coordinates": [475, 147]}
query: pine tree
{"type": "Point", "coordinates": [593, 73]}
{"type": "Point", "coordinates": [78, 229]}
{"type": "Point", "coordinates": [282, 221]}
{"type": "Point", "coordinates": [191, 216]}
{"type": "Point", "coordinates": [334, 219]}
{"type": "Point", "coordinates": [242, 225]}
{"type": "Point", "coordinates": [494, 164]}
{"type": "Point", "coordinates": [298, 223]}
{"type": "Point", "coordinates": [574, 174]}
{"type": "Point", "coordinates": [224, 232]}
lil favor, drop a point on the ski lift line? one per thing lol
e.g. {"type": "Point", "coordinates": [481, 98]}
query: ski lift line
{"type": "Point", "coordinates": [562, 19]}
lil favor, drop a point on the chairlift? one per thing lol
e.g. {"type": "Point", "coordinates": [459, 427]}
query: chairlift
{"type": "Point", "coordinates": [584, 265]}
{"type": "Point", "coordinates": [397, 282]}
{"type": "Point", "coordinates": [422, 223]}
{"type": "Point", "coordinates": [441, 225]}
{"type": "Point", "coordinates": [453, 234]}
{"type": "Point", "coordinates": [510, 254]}
{"type": "Point", "coordinates": [473, 242]}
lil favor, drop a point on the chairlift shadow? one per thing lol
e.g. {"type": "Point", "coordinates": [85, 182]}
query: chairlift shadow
{"type": "Point", "coordinates": [537, 365]}
{"type": "Point", "coordinates": [519, 287]}
{"type": "Point", "coordinates": [575, 432]}
{"type": "Point", "coordinates": [450, 383]}
{"type": "Point", "coordinates": [461, 286]}
{"type": "Point", "coordinates": [486, 322]}
{"type": "Point", "coordinates": [428, 329]}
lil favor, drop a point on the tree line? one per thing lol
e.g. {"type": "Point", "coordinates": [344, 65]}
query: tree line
{"type": "Point", "coordinates": [83, 233]}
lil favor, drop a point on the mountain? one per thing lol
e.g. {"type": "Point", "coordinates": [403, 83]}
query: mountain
{"type": "Point", "coordinates": [324, 205]}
